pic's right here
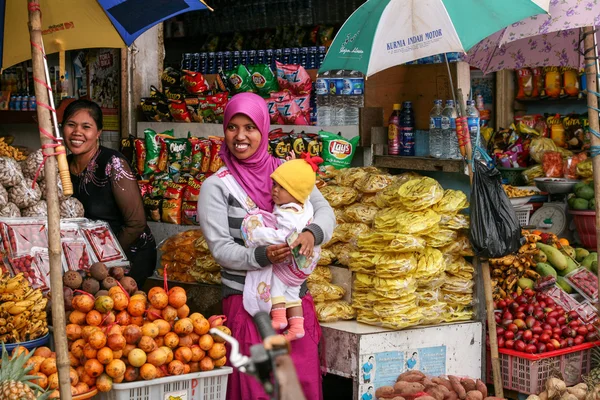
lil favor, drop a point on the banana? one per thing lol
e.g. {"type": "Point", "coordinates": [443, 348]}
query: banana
{"type": "Point", "coordinates": [35, 296]}
{"type": "Point", "coordinates": [39, 306]}
{"type": "Point", "coordinates": [3, 321]}
{"type": "Point", "coordinates": [14, 310]}
{"type": "Point", "coordinates": [25, 303]}
{"type": "Point", "coordinates": [532, 274]}
{"type": "Point", "coordinates": [6, 305]}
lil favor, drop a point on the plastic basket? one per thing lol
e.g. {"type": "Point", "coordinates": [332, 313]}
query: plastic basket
{"type": "Point", "coordinates": [210, 385]}
{"type": "Point", "coordinates": [523, 213]}
{"type": "Point", "coordinates": [30, 345]}
{"type": "Point", "coordinates": [585, 224]}
{"type": "Point", "coordinates": [513, 176]}
{"type": "Point", "coordinates": [527, 373]}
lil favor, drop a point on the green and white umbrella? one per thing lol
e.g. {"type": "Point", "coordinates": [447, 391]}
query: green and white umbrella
{"type": "Point", "coordinates": [383, 33]}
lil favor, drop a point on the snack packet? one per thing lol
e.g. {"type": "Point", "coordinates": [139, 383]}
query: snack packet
{"type": "Point", "coordinates": [194, 82]}
{"type": "Point", "coordinates": [177, 150]}
{"type": "Point", "coordinates": [337, 151]}
{"type": "Point", "coordinates": [240, 80]}
{"type": "Point", "coordinates": [264, 79]}
{"type": "Point", "coordinates": [293, 78]}
{"type": "Point", "coordinates": [171, 211]}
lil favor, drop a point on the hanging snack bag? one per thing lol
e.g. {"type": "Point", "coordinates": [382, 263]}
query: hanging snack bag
{"type": "Point", "coordinates": [215, 158]}
{"type": "Point", "coordinates": [293, 78]}
{"type": "Point", "coordinates": [196, 155]}
{"type": "Point", "coordinates": [553, 82]}
{"type": "Point", "coordinates": [274, 114]}
{"type": "Point", "coordinates": [291, 113]}
{"type": "Point", "coordinates": [189, 213]}
{"type": "Point", "coordinates": [206, 112]}
{"type": "Point", "coordinates": [538, 81]}
{"type": "Point", "coordinates": [279, 145]}
{"type": "Point", "coordinates": [179, 110]}
{"type": "Point", "coordinates": [585, 125]}
{"type": "Point", "coordinates": [177, 150]}
{"type": "Point", "coordinates": [313, 144]}
{"type": "Point", "coordinates": [155, 110]}
{"type": "Point", "coordinates": [557, 130]}
{"type": "Point", "coordinates": [194, 82]}
{"type": "Point", "coordinates": [573, 132]}
{"type": "Point", "coordinates": [281, 96]}
{"type": "Point", "coordinates": [170, 78]}
{"type": "Point", "coordinates": [337, 151]}
{"type": "Point", "coordinates": [154, 152]}
{"type": "Point", "coordinates": [126, 148]}
{"type": "Point", "coordinates": [174, 190]}
{"type": "Point", "coordinates": [524, 83]}
{"type": "Point", "coordinates": [171, 211]}
{"type": "Point", "coordinates": [152, 208]}
{"type": "Point", "coordinates": [303, 102]}
{"type": "Point", "coordinates": [192, 189]}
{"type": "Point", "coordinates": [206, 149]}
{"type": "Point", "coordinates": [298, 145]}
{"type": "Point", "coordinates": [552, 162]}
{"type": "Point", "coordinates": [571, 82]}
{"type": "Point", "coordinates": [140, 156]}
{"type": "Point", "coordinates": [240, 80]}
{"type": "Point", "coordinates": [263, 79]}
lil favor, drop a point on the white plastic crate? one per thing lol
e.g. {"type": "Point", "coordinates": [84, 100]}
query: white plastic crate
{"type": "Point", "coordinates": [523, 212]}
{"type": "Point", "coordinates": [210, 385]}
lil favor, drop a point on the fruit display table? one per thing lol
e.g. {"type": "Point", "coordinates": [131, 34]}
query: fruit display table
{"type": "Point", "coordinates": [373, 356]}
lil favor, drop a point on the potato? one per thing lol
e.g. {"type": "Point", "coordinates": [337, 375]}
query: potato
{"type": "Point", "coordinates": [479, 385]}
{"type": "Point", "coordinates": [444, 382]}
{"type": "Point", "coordinates": [385, 392]}
{"type": "Point", "coordinates": [435, 392]}
{"type": "Point", "coordinates": [468, 384]}
{"type": "Point", "coordinates": [474, 395]}
{"type": "Point", "coordinates": [407, 389]}
{"type": "Point", "coordinates": [411, 376]}
{"type": "Point", "coordinates": [457, 387]}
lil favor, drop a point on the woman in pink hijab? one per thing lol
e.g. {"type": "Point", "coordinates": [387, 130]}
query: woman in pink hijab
{"type": "Point", "coordinates": [243, 184]}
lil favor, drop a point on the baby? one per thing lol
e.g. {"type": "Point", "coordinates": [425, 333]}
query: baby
{"type": "Point", "coordinates": [292, 183]}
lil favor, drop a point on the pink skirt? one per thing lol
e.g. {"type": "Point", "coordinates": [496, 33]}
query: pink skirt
{"type": "Point", "coordinates": [305, 351]}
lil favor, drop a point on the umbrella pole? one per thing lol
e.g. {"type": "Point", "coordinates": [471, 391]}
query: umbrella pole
{"type": "Point", "coordinates": [45, 125]}
{"type": "Point", "coordinates": [591, 72]}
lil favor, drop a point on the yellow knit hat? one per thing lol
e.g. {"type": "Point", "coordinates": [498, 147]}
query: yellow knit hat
{"type": "Point", "coordinates": [298, 176]}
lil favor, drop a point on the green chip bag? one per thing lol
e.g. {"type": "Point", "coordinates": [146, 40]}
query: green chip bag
{"type": "Point", "coordinates": [263, 79]}
{"type": "Point", "coordinates": [177, 150]}
{"type": "Point", "coordinates": [152, 152]}
{"type": "Point", "coordinates": [337, 152]}
{"type": "Point", "coordinates": [240, 80]}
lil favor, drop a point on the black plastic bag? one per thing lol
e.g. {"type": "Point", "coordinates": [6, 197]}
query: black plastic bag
{"type": "Point", "coordinates": [495, 229]}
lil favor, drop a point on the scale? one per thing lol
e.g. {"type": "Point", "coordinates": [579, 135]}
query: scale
{"type": "Point", "coordinates": [552, 216]}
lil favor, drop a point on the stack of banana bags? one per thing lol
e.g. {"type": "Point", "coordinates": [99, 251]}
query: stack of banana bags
{"type": "Point", "coordinates": [405, 239]}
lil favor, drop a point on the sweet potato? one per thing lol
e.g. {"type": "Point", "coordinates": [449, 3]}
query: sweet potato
{"type": "Point", "coordinates": [457, 387]}
{"type": "Point", "coordinates": [425, 398]}
{"type": "Point", "coordinates": [479, 385]}
{"type": "Point", "coordinates": [434, 391]}
{"type": "Point", "coordinates": [411, 376]}
{"type": "Point", "coordinates": [427, 383]}
{"type": "Point", "coordinates": [445, 391]}
{"type": "Point", "coordinates": [443, 382]}
{"type": "Point", "coordinates": [385, 392]}
{"type": "Point", "coordinates": [493, 398]}
{"type": "Point", "coordinates": [468, 384]}
{"type": "Point", "coordinates": [408, 389]}
{"type": "Point", "coordinates": [474, 395]}
{"type": "Point", "coordinates": [451, 396]}
{"type": "Point", "coordinates": [398, 398]}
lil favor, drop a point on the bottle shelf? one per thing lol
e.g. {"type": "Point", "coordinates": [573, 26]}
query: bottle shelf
{"type": "Point", "coordinates": [418, 163]}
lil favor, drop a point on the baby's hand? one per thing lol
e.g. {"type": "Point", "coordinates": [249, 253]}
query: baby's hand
{"type": "Point", "coordinates": [291, 156]}
{"type": "Point", "coordinates": [306, 241]}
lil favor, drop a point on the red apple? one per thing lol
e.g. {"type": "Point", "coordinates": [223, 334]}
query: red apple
{"type": "Point", "coordinates": [591, 337]}
{"type": "Point", "coordinates": [530, 321]}
{"type": "Point", "coordinates": [573, 315]}
{"type": "Point", "coordinates": [582, 331]}
{"type": "Point", "coordinates": [579, 340]}
{"type": "Point", "coordinates": [590, 328]}
{"type": "Point", "coordinates": [574, 324]}
{"type": "Point", "coordinates": [499, 331]}
{"type": "Point", "coordinates": [551, 321]}
{"type": "Point", "coordinates": [501, 304]}
{"type": "Point", "coordinates": [520, 315]}
{"type": "Point", "coordinates": [561, 320]}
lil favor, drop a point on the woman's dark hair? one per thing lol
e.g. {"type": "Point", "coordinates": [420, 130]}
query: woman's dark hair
{"type": "Point", "coordinates": [89, 106]}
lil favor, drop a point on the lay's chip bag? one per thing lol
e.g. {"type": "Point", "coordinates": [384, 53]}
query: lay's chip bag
{"type": "Point", "coordinates": [337, 152]}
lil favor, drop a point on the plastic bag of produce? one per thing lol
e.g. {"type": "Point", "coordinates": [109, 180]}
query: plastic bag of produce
{"type": "Point", "coordinates": [342, 252]}
{"type": "Point", "coordinates": [373, 183]}
{"type": "Point", "coordinates": [537, 171]}
{"type": "Point", "coordinates": [320, 274]}
{"type": "Point", "coordinates": [347, 176]}
{"type": "Point", "coordinates": [456, 265]}
{"type": "Point", "coordinates": [10, 210]}
{"type": "Point", "coordinates": [457, 313]}
{"type": "Point", "coordinates": [461, 247]}
{"type": "Point", "coordinates": [3, 197]}
{"type": "Point", "coordinates": [340, 215]}
{"type": "Point", "coordinates": [387, 265]}
{"type": "Point", "coordinates": [346, 231]}
{"type": "Point", "coordinates": [23, 195]}
{"type": "Point", "coordinates": [10, 172]}
{"type": "Point", "coordinates": [457, 299]}
{"type": "Point", "coordinates": [454, 221]}
{"type": "Point", "coordinates": [396, 308]}
{"type": "Point", "coordinates": [430, 264]}
{"type": "Point", "coordinates": [584, 169]}
{"type": "Point", "coordinates": [452, 202]}
{"type": "Point", "coordinates": [419, 194]}
{"type": "Point", "coordinates": [32, 164]}
{"type": "Point", "coordinates": [427, 297]}
{"type": "Point", "coordinates": [389, 242]}
{"type": "Point", "coordinates": [539, 146]}
{"type": "Point", "coordinates": [408, 222]}
{"type": "Point", "coordinates": [392, 288]}
{"type": "Point", "coordinates": [412, 318]}
{"type": "Point", "coordinates": [455, 284]}
{"type": "Point", "coordinates": [360, 300]}
{"type": "Point", "coordinates": [325, 291]}
{"type": "Point", "coordinates": [495, 230]}
{"type": "Point", "coordinates": [339, 196]}
{"type": "Point", "coordinates": [440, 237]}
{"type": "Point", "coordinates": [71, 208]}
{"type": "Point", "coordinates": [39, 209]}
{"type": "Point", "coordinates": [432, 314]}
{"type": "Point", "coordinates": [212, 278]}
{"type": "Point", "coordinates": [368, 199]}
{"type": "Point", "coordinates": [552, 162]}
{"type": "Point", "coordinates": [331, 311]}
{"type": "Point", "coordinates": [327, 257]}
{"type": "Point", "coordinates": [359, 212]}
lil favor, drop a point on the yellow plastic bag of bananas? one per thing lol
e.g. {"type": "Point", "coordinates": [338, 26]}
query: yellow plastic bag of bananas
{"type": "Point", "coordinates": [331, 311]}
{"type": "Point", "coordinates": [389, 242]}
{"type": "Point", "coordinates": [440, 237]}
{"type": "Point", "coordinates": [428, 297]}
{"type": "Point", "coordinates": [348, 230]}
{"type": "Point", "coordinates": [419, 194]}
{"type": "Point", "coordinates": [320, 274]}
{"type": "Point", "coordinates": [360, 212]}
{"type": "Point", "coordinates": [325, 291]}
{"type": "Point", "coordinates": [339, 196]}
{"type": "Point", "coordinates": [452, 202]}
{"type": "Point", "coordinates": [454, 221]}
{"type": "Point", "coordinates": [461, 247]}
{"type": "Point", "coordinates": [408, 222]}
{"type": "Point", "coordinates": [373, 183]}
{"type": "Point", "coordinates": [327, 257]}
{"type": "Point", "coordinates": [347, 176]}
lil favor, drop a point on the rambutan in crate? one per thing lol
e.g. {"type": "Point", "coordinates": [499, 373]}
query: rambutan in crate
{"type": "Point", "coordinates": [209, 385]}
{"type": "Point", "coordinates": [527, 373]}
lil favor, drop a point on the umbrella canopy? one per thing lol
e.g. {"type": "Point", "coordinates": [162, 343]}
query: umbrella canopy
{"type": "Point", "coordinates": [384, 33]}
{"type": "Point", "coordinates": [539, 41]}
{"type": "Point", "coordinates": [80, 24]}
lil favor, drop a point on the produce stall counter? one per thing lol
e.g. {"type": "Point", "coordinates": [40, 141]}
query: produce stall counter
{"type": "Point", "coordinates": [373, 356]}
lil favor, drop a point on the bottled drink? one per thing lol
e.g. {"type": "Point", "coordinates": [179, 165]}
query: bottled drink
{"type": "Point", "coordinates": [304, 57]}
{"type": "Point", "coordinates": [270, 58]}
{"type": "Point", "coordinates": [194, 65]}
{"type": "Point", "coordinates": [394, 135]}
{"type": "Point", "coordinates": [323, 99]}
{"type": "Point", "coordinates": [473, 124]}
{"type": "Point", "coordinates": [186, 61]}
{"type": "Point", "coordinates": [321, 56]}
{"type": "Point", "coordinates": [251, 57]}
{"type": "Point", "coordinates": [279, 55]}
{"type": "Point", "coordinates": [353, 96]}
{"type": "Point", "coordinates": [244, 57]}
{"type": "Point", "coordinates": [312, 58]}
{"type": "Point", "coordinates": [287, 55]}
{"type": "Point", "coordinates": [203, 63]}
{"type": "Point", "coordinates": [436, 142]}
{"type": "Point", "coordinates": [227, 57]}
{"type": "Point", "coordinates": [338, 110]}
{"type": "Point", "coordinates": [212, 67]}
{"type": "Point", "coordinates": [237, 58]}
{"type": "Point", "coordinates": [295, 57]}
{"type": "Point", "coordinates": [407, 129]}
{"type": "Point", "coordinates": [32, 103]}
{"type": "Point", "coordinates": [450, 141]}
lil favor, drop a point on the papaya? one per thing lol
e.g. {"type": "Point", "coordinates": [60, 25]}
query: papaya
{"type": "Point", "coordinates": [580, 254]}
{"type": "Point", "coordinates": [555, 257]}
{"type": "Point", "coordinates": [525, 283]}
{"type": "Point", "coordinates": [589, 259]}
{"type": "Point", "coordinates": [594, 267]}
{"type": "Point", "coordinates": [585, 192]}
{"type": "Point", "coordinates": [564, 285]}
{"type": "Point", "coordinates": [545, 269]}
{"type": "Point", "coordinates": [578, 186]}
{"type": "Point", "coordinates": [571, 266]}
{"type": "Point", "coordinates": [580, 204]}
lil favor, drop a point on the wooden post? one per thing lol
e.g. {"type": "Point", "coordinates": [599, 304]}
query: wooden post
{"type": "Point", "coordinates": [489, 307]}
{"type": "Point", "coordinates": [56, 285]}
{"type": "Point", "coordinates": [591, 73]}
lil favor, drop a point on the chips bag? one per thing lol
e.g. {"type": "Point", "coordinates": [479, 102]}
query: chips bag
{"type": "Point", "coordinates": [156, 151]}
{"type": "Point", "coordinates": [240, 80]}
{"type": "Point", "coordinates": [553, 82]}
{"type": "Point", "coordinates": [337, 151]}
{"type": "Point", "coordinates": [170, 77]}
{"type": "Point", "coordinates": [574, 134]}
{"type": "Point", "coordinates": [177, 150]}
{"type": "Point", "coordinates": [194, 82]}
{"type": "Point", "coordinates": [279, 145]}
{"type": "Point", "coordinates": [291, 113]}
{"type": "Point", "coordinates": [294, 78]}
{"type": "Point", "coordinates": [189, 213]}
{"type": "Point", "coordinates": [525, 83]}
{"type": "Point", "coordinates": [179, 110]}
{"type": "Point", "coordinates": [174, 190]}
{"type": "Point", "coordinates": [215, 158]}
{"type": "Point", "coordinates": [153, 209]}
{"type": "Point", "coordinates": [171, 211]}
{"type": "Point", "coordinates": [192, 189]}
{"type": "Point", "coordinates": [274, 114]}
{"type": "Point", "coordinates": [140, 156]}
{"type": "Point", "coordinates": [264, 79]}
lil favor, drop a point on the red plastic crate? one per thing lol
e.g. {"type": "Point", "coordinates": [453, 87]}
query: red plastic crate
{"type": "Point", "coordinates": [527, 373]}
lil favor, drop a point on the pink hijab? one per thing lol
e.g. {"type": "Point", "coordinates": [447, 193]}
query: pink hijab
{"type": "Point", "coordinates": [254, 173]}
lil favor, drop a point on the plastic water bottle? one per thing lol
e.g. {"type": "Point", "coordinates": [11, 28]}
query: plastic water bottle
{"type": "Point", "coordinates": [450, 142]}
{"type": "Point", "coordinates": [353, 96]}
{"type": "Point", "coordinates": [407, 129]}
{"type": "Point", "coordinates": [473, 123]}
{"type": "Point", "coordinates": [436, 142]}
{"type": "Point", "coordinates": [338, 109]}
{"type": "Point", "coordinates": [323, 99]}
